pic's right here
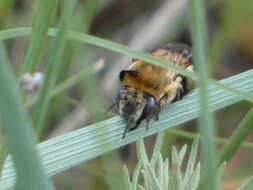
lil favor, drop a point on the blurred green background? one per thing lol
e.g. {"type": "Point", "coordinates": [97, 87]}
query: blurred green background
{"type": "Point", "coordinates": [142, 25]}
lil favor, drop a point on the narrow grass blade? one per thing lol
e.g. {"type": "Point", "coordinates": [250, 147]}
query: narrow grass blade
{"type": "Point", "coordinates": [191, 162]}
{"type": "Point", "coordinates": [218, 140]}
{"type": "Point", "coordinates": [136, 175]}
{"type": "Point", "coordinates": [3, 156]}
{"type": "Point", "coordinates": [157, 148]}
{"type": "Point", "coordinates": [18, 132]}
{"type": "Point", "coordinates": [151, 177]}
{"type": "Point", "coordinates": [141, 152]}
{"type": "Point", "coordinates": [194, 179]}
{"type": "Point", "coordinates": [206, 126]}
{"type": "Point", "coordinates": [44, 14]}
{"type": "Point", "coordinates": [17, 32]}
{"type": "Point", "coordinates": [74, 148]}
{"type": "Point", "coordinates": [126, 177]}
{"type": "Point", "coordinates": [247, 185]}
{"type": "Point", "coordinates": [239, 135]}
{"type": "Point", "coordinates": [55, 55]}
{"type": "Point", "coordinates": [220, 171]}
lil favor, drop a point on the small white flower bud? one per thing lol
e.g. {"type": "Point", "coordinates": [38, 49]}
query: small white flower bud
{"type": "Point", "coordinates": [31, 82]}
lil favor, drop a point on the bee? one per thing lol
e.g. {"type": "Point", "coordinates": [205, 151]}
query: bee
{"type": "Point", "coordinates": [145, 88]}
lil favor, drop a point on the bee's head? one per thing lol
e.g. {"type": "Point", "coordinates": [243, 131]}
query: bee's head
{"type": "Point", "coordinates": [134, 105]}
{"type": "Point", "coordinates": [130, 104]}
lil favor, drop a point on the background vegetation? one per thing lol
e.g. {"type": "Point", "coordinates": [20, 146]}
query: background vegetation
{"type": "Point", "coordinates": [77, 90]}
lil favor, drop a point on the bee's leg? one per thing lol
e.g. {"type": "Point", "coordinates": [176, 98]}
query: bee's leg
{"type": "Point", "coordinates": [125, 131]}
{"type": "Point", "coordinates": [157, 113]}
{"type": "Point", "coordinates": [130, 72]}
{"type": "Point", "coordinates": [180, 93]}
{"type": "Point", "coordinates": [147, 123]}
{"type": "Point", "coordinates": [138, 122]}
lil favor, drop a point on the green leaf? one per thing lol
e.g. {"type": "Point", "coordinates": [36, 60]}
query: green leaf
{"type": "Point", "coordinates": [141, 152]}
{"type": "Point", "coordinates": [3, 156]}
{"type": "Point", "coordinates": [220, 171]}
{"type": "Point", "coordinates": [157, 148]}
{"type": "Point", "coordinates": [71, 149]}
{"type": "Point", "coordinates": [194, 179]}
{"type": "Point", "coordinates": [166, 174]}
{"type": "Point", "coordinates": [126, 178]}
{"type": "Point", "coordinates": [55, 56]}
{"type": "Point", "coordinates": [44, 14]}
{"type": "Point", "coordinates": [151, 177]}
{"type": "Point", "coordinates": [206, 121]}
{"type": "Point", "coordinates": [136, 175]}
{"type": "Point", "coordinates": [247, 185]}
{"type": "Point", "coordinates": [191, 162]}
{"type": "Point", "coordinates": [17, 130]}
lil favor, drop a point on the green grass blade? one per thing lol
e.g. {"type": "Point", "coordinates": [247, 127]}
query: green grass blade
{"type": "Point", "coordinates": [218, 140]}
{"type": "Point", "coordinates": [3, 156]}
{"type": "Point", "coordinates": [206, 126]}
{"type": "Point", "coordinates": [157, 148]}
{"type": "Point", "coordinates": [44, 14]}
{"type": "Point", "coordinates": [239, 135]}
{"type": "Point", "coordinates": [17, 32]}
{"type": "Point", "coordinates": [246, 185]}
{"type": "Point", "coordinates": [54, 61]}
{"type": "Point", "coordinates": [126, 177]}
{"type": "Point", "coordinates": [220, 171]}
{"type": "Point", "coordinates": [67, 151]}
{"type": "Point", "coordinates": [18, 133]}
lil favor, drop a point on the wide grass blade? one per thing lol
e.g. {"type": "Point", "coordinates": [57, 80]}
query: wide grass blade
{"type": "Point", "coordinates": [44, 14]}
{"type": "Point", "coordinates": [67, 151]}
{"type": "Point", "coordinates": [206, 126]}
{"type": "Point", "coordinates": [18, 134]}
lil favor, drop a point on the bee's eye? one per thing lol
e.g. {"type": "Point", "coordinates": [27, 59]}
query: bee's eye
{"type": "Point", "coordinates": [149, 107]}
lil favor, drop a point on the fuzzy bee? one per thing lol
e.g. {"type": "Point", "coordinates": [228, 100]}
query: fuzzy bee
{"type": "Point", "coordinates": [145, 88]}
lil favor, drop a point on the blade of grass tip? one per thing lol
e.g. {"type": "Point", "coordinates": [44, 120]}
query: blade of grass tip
{"type": "Point", "coordinates": [44, 14]}
{"type": "Point", "coordinates": [18, 132]}
{"type": "Point", "coordinates": [175, 175]}
{"type": "Point", "coordinates": [206, 119]}
{"type": "Point", "coordinates": [242, 131]}
{"type": "Point", "coordinates": [181, 155]}
{"type": "Point", "coordinates": [247, 185]}
{"type": "Point", "coordinates": [55, 56]}
{"type": "Point", "coordinates": [136, 175]}
{"type": "Point", "coordinates": [191, 161]}
{"type": "Point", "coordinates": [126, 177]}
{"type": "Point", "coordinates": [160, 170]}
{"type": "Point", "coordinates": [194, 179]}
{"type": "Point", "coordinates": [157, 148]}
{"type": "Point", "coordinates": [166, 176]}
{"type": "Point", "coordinates": [141, 152]}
